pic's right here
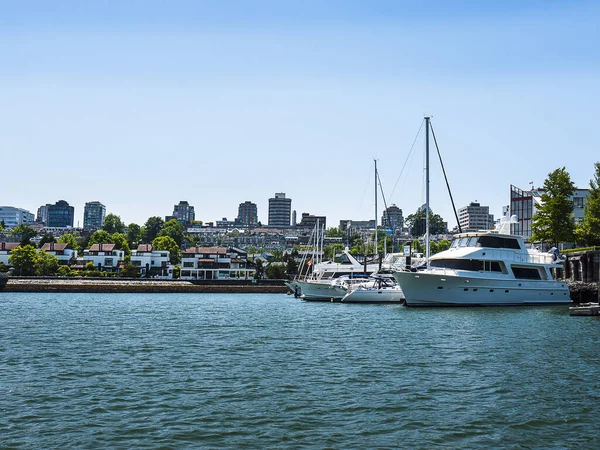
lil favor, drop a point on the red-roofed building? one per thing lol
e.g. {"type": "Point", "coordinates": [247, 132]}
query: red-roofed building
{"type": "Point", "coordinates": [63, 253]}
{"type": "Point", "coordinates": [152, 262]}
{"type": "Point", "coordinates": [5, 249]}
{"type": "Point", "coordinates": [104, 257]}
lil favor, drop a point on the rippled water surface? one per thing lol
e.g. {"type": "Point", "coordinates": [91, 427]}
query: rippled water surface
{"type": "Point", "coordinates": [260, 371]}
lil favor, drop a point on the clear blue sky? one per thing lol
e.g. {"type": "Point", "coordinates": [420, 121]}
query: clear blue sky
{"type": "Point", "coordinates": [140, 104]}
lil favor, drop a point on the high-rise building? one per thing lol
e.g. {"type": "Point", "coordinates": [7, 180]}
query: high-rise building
{"type": "Point", "coordinates": [93, 215]}
{"type": "Point", "coordinates": [475, 217]}
{"type": "Point", "coordinates": [60, 215]}
{"type": "Point", "coordinates": [247, 214]}
{"type": "Point", "coordinates": [42, 214]}
{"type": "Point", "coordinates": [392, 218]}
{"type": "Point", "coordinates": [310, 221]}
{"type": "Point", "coordinates": [13, 217]}
{"type": "Point", "coordinates": [280, 210]}
{"type": "Point", "coordinates": [183, 213]}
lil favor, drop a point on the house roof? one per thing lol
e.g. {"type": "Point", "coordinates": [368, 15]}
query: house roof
{"type": "Point", "coordinates": [54, 247]}
{"type": "Point", "coordinates": [9, 245]}
{"type": "Point", "coordinates": [102, 248]}
{"type": "Point", "coordinates": [207, 250]}
{"type": "Point", "coordinates": [144, 248]}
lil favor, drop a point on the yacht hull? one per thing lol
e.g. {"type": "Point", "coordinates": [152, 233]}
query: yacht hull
{"type": "Point", "coordinates": [320, 291]}
{"type": "Point", "coordinates": [440, 289]}
{"type": "Point", "coordinates": [372, 295]}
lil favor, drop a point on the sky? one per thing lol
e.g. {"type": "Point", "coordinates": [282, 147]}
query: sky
{"type": "Point", "coordinates": [141, 104]}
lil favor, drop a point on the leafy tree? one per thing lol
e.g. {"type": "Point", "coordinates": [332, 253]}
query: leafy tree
{"type": "Point", "coordinates": [335, 232]}
{"type": "Point", "coordinates": [100, 237]}
{"type": "Point", "coordinates": [134, 235]}
{"type": "Point", "coordinates": [553, 220]}
{"type": "Point", "coordinates": [120, 242]}
{"type": "Point", "coordinates": [276, 271]}
{"type": "Point", "coordinates": [259, 269]}
{"type": "Point", "coordinates": [153, 226]}
{"type": "Point", "coordinates": [169, 244]}
{"type": "Point", "coordinates": [25, 233]}
{"type": "Point", "coordinates": [291, 267]}
{"type": "Point", "coordinates": [46, 239]}
{"type": "Point", "coordinates": [129, 270]}
{"type": "Point", "coordinates": [64, 271]}
{"type": "Point", "coordinates": [277, 255]}
{"type": "Point", "coordinates": [113, 224]}
{"type": "Point", "coordinates": [45, 264]}
{"type": "Point", "coordinates": [89, 266]}
{"type": "Point", "coordinates": [2, 226]}
{"type": "Point", "coordinates": [3, 267]}
{"type": "Point", "coordinates": [436, 247]}
{"type": "Point", "coordinates": [331, 250]}
{"type": "Point", "coordinates": [588, 230]}
{"type": "Point", "coordinates": [174, 230]}
{"type": "Point", "coordinates": [69, 239]}
{"type": "Point", "coordinates": [416, 223]}
{"type": "Point", "coordinates": [23, 259]}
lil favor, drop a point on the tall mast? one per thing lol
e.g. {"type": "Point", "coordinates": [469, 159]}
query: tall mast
{"type": "Point", "coordinates": [427, 189]}
{"type": "Point", "coordinates": [376, 252]}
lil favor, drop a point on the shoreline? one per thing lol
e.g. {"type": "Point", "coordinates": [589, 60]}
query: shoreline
{"type": "Point", "coordinates": [83, 285]}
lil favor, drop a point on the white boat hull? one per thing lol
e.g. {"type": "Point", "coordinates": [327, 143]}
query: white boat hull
{"type": "Point", "coordinates": [373, 295]}
{"type": "Point", "coordinates": [320, 291]}
{"type": "Point", "coordinates": [441, 289]}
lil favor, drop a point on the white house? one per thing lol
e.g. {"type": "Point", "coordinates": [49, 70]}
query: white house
{"type": "Point", "coordinates": [63, 253]}
{"type": "Point", "coordinates": [5, 249]}
{"type": "Point", "coordinates": [214, 263]}
{"type": "Point", "coordinates": [152, 262]}
{"type": "Point", "coordinates": [104, 257]}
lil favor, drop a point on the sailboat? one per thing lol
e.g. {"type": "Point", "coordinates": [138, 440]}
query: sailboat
{"type": "Point", "coordinates": [483, 268]}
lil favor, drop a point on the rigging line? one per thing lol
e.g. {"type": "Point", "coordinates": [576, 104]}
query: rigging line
{"type": "Point", "coordinates": [407, 158]}
{"type": "Point", "coordinates": [387, 217]}
{"type": "Point", "coordinates": [446, 178]}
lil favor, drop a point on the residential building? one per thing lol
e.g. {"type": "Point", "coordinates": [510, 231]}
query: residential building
{"type": "Point", "coordinates": [247, 214]}
{"type": "Point", "coordinates": [215, 263]}
{"type": "Point", "coordinates": [227, 224]}
{"type": "Point", "coordinates": [60, 214]}
{"type": "Point", "coordinates": [475, 217]}
{"type": "Point", "coordinates": [392, 218]}
{"type": "Point", "coordinates": [104, 256]}
{"type": "Point", "coordinates": [183, 213]}
{"type": "Point", "coordinates": [93, 215]}
{"type": "Point", "coordinates": [5, 249]}
{"type": "Point", "coordinates": [280, 210]}
{"type": "Point", "coordinates": [310, 221]}
{"type": "Point", "coordinates": [13, 217]}
{"type": "Point", "coordinates": [346, 225]}
{"type": "Point", "coordinates": [63, 253]}
{"type": "Point", "coordinates": [152, 262]}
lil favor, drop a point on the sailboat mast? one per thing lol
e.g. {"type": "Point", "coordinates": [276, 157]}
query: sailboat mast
{"type": "Point", "coordinates": [427, 189]}
{"type": "Point", "coordinates": [375, 206]}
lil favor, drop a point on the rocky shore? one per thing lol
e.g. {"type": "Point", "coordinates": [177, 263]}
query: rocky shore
{"type": "Point", "coordinates": [583, 292]}
{"type": "Point", "coordinates": [133, 286]}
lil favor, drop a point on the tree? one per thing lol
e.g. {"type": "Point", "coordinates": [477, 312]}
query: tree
{"type": "Point", "coordinates": [2, 226]}
{"type": "Point", "coordinates": [113, 224]}
{"type": "Point", "coordinates": [24, 233]}
{"type": "Point", "coordinates": [46, 264]}
{"type": "Point", "coordinates": [169, 244]}
{"type": "Point", "coordinates": [100, 237]}
{"type": "Point", "coordinates": [134, 235]}
{"type": "Point", "coordinates": [276, 271]}
{"type": "Point", "coordinates": [335, 232]}
{"type": "Point", "coordinates": [153, 226]}
{"type": "Point", "coordinates": [416, 223]}
{"type": "Point", "coordinates": [553, 220]}
{"type": "Point", "coordinates": [258, 269]}
{"type": "Point", "coordinates": [23, 259]}
{"type": "Point", "coordinates": [46, 239]}
{"type": "Point", "coordinates": [120, 242]}
{"type": "Point", "coordinates": [436, 247]}
{"type": "Point", "coordinates": [291, 267]}
{"type": "Point", "coordinates": [174, 230]}
{"type": "Point", "coordinates": [588, 230]}
{"type": "Point", "coordinates": [331, 250]}
{"type": "Point", "coordinates": [69, 239]}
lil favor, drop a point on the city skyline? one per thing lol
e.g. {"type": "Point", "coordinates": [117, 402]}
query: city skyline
{"type": "Point", "coordinates": [222, 103]}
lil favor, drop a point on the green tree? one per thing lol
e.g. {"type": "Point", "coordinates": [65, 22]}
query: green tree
{"type": "Point", "coordinates": [335, 232]}
{"type": "Point", "coordinates": [588, 230]}
{"type": "Point", "coordinates": [174, 230]}
{"type": "Point", "coordinates": [71, 240]}
{"type": "Point", "coordinates": [64, 271]}
{"type": "Point", "coordinates": [152, 226]}
{"type": "Point", "coordinates": [440, 246]}
{"type": "Point", "coordinates": [24, 233]}
{"type": "Point", "coordinates": [277, 256]}
{"type": "Point", "coordinates": [120, 242]}
{"type": "Point", "coordinates": [46, 239]}
{"type": "Point", "coordinates": [2, 226]}
{"type": "Point", "coordinates": [259, 269]}
{"type": "Point", "coordinates": [169, 244]}
{"type": "Point", "coordinates": [134, 235]}
{"type": "Point", "coordinates": [23, 259]}
{"type": "Point", "coordinates": [100, 237]}
{"type": "Point", "coordinates": [331, 250]}
{"type": "Point", "coordinates": [416, 223]}
{"type": "Point", "coordinates": [291, 267]}
{"type": "Point", "coordinates": [276, 271]}
{"type": "Point", "coordinates": [113, 224]}
{"type": "Point", "coordinates": [553, 220]}
{"type": "Point", "coordinates": [46, 264]}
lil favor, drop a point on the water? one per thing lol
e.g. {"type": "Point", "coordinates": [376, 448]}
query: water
{"type": "Point", "coordinates": [269, 371]}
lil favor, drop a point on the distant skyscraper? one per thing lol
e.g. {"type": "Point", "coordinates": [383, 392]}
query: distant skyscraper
{"type": "Point", "coordinates": [93, 215]}
{"type": "Point", "coordinates": [12, 216]}
{"type": "Point", "coordinates": [392, 218]}
{"type": "Point", "coordinates": [475, 217]}
{"type": "Point", "coordinates": [42, 214]}
{"type": "Point", "coordinates": [60, 215]}
{"type": "Point", "coordinates": [310, 221]}
{"type": "Point", "coordinates": [247, 214]}
{"type": "Point", "coordinates": [184, 212]}
{"type": "Point", "coordinates": [280, 210]}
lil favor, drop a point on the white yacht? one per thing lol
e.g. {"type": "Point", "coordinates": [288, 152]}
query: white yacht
{"type": "Point", "coordinates": [486, 268]}
{"type": "Point", "coordinates": [377, 289]}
